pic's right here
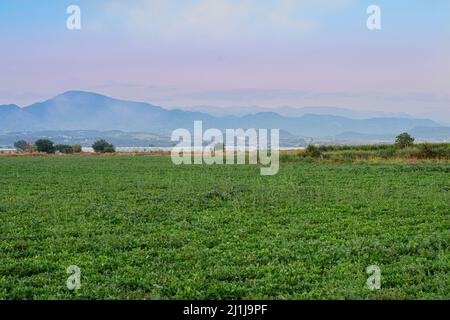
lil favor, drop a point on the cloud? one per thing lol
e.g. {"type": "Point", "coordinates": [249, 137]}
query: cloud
{"type": "Point", "coordinates": [218, 19]}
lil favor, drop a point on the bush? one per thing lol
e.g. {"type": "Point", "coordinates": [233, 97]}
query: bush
{"type": "Point", "coordinates": [386, 153]}
{"type": "Point", "coordinates": [102, 146]}
{"type": "Point", "coordinates": [426, 151]}
{"type": "Point", "coordinates": [408, 153]}
{"type": "Point", "coordinates": [370, 147]}
{"type": "Point", "coordinates": [368, 152]}
{"type": "Point", "coordinates": [348, 155]}
{"type": "Point", "coordinates": [312, 151]}
{"type": "Point", "coordinates": [442, 151]}
{"type": "Point", "coordinates": [431, 151]}
{"type": "Point", "coordinates": [45, 145]}
{"type": "Point", "coordinates": [64, 148]}
{"type": "Point", "coordinates": [109, 149]}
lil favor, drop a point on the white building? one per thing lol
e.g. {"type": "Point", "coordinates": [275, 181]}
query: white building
{"type": "Point", "coordinates": [8, 150]}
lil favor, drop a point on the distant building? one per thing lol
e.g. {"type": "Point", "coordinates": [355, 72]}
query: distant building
{"type": "Point", "coordinates": [8, 150]}
{"type": "Point", "coordinates": [87, 149]}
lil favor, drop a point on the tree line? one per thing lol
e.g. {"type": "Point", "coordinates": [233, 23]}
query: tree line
{"type": "Point", "coordinates": [48, 146]}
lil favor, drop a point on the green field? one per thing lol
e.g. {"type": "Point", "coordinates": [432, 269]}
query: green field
{"type": "Point", "coordinates": [142, 228]}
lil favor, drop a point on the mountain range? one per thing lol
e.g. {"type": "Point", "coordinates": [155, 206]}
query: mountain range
{"type": "Point", "coordinates": [288, 111]}
{"type": "Point", "coordinates": [78, 110]}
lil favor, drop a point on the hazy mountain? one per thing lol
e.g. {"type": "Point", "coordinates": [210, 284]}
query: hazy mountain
{"type": "Point", "coordinates": [421, 134]}
{"type": "Point", "coordinates": [11, 116]}
{"type": "Point", "coordinates": [295, 111]}
{"type": "Point", "coordinates": [76, 110]}
{"type": "Point", "coordinates": [326, 125]}
{"type": "Point", "coordinates": [436, 133]}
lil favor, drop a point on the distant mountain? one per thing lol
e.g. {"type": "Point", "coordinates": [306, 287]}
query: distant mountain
{"type": "Point", "coordinates": [434, 133]}
{"type": "Point", "coordinates": [326, 125]}
{"type": "Point", "coordinates": [356, 136]}
{"type": "Point", "coordinates": [77, 110]}
{"type": "Point", "coordinates": [295, 111]}
{"type": "Point", "coordinates": [11, 116]}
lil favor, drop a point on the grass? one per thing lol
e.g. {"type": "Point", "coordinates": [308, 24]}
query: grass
{"type": "Point", "coordinates": [142, 228]}
{"type": "Point", "coordinates": [438, 152]}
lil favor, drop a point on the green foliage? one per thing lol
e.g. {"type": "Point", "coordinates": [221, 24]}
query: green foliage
{"type": "Point", "coordinates": [386, 153]}
{"type": "Point", "coordinates": [143, 228]}
{"type": "Point", "coordinates": [109, 149]}
{"type": "Point", "coordinates": [312, 151]}
{"type": "Point", "coordinates": [404, 140]}
{"type": "Point", "coordinates": [433, 151]}
{"type": "Point", "coordinates": [371, 147]}
{"type": "Point", "coordinates": [64, 148]}
{"type": "Point", "coordinates": [102, 146]}
{"type": "Point", "coordinates": [348, 155]}
{"type": "Point", "coordinates": [424, 151]}
{"type": "Point", "coordinates": [44, 145]}
{"type": "Point", "coordinates": [23, 146]}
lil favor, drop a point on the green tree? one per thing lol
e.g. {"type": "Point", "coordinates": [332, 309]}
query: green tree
{"type": "Point", "coordinates": [102, 146]}
{"type": "Point", "coordinates": [404, 140]}
{"type": "Point", "coordinates": [23, 146]}
{"type": "Point", "coordinates": [45, 145]}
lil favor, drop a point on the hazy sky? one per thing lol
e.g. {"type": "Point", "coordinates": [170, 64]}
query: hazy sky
{"type": "Point", "coordinates": [231, 53]}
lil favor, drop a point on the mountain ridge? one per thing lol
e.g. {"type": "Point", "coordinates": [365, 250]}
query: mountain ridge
{"type": "Point", "coordinates": [82, 110]}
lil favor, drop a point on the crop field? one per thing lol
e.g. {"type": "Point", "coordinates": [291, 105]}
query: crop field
{"type": "Point", "coordinates": [143, 228]}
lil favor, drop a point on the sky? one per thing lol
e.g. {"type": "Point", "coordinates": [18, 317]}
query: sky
{"type": "Point", "coordinates": [223, 53]}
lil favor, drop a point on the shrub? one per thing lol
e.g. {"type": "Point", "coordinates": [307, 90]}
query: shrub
{"type": "Point", "coordinates": [408, 153]}
{"type": "Point", "coordinates": [312, 151]}
{"type": "Point", "coordinates": [430, 151]}
{"type": "Point", "coordinates": [441, 151]}
{"type": "Point", "coordinates": [426, 151]}
{"type": "Point", "coordinates": [64, 148]}
{"type": "Point", "coordinates": [386, 153]}
{"type": "Point", "coordinates": [370, 147]}
{"type": "Point", "coordinates": [348, 155]}
{"type": "Point", "coordinates": [109, 149]}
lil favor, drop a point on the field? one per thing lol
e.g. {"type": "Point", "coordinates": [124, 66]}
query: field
{"type": "Point", "coordinates": [142, 228]}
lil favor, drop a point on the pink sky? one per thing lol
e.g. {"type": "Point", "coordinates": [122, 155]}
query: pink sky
{"type": "Point", "coordinates": [304, 54]}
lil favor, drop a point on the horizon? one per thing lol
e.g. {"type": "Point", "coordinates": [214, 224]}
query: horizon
{"type": "Point", "coordinates": [56, 116]}
{"type": "Point", "coordinates": [220, 54]}
{"type": "Point", "coordinates": [238, 111]}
